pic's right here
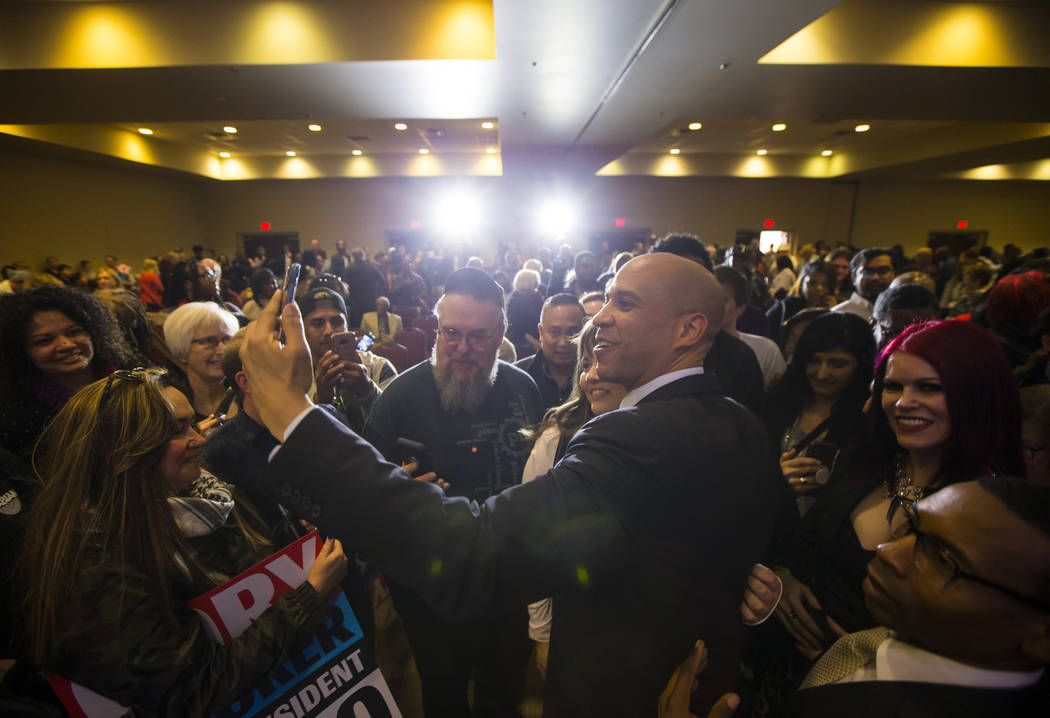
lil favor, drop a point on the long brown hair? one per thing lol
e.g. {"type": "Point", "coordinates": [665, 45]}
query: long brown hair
{"type": "Point", "coordinates": [103, 504]}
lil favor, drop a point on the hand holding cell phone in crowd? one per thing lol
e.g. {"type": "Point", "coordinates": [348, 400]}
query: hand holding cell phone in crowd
{"type": "Point", "coordinates": [291, 283]}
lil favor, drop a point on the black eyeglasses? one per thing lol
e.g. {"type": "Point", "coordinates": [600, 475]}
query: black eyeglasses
{"type": "Point", "coordinates": [936, 562]}
{"type": "Point", "coordinates": [475, 339]}
{"type": "Point", "coordinates": [137, 375]}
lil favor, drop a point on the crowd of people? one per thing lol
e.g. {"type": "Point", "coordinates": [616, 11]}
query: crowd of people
{"type": "Point", "coordinates": [830, 465]}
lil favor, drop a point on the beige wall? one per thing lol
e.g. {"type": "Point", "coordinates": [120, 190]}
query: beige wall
{"type": "Point", "coordinates": [904, 213]}
{"type": "Point", "coordinates": [360, 210]}
{"type": "Point", "coordinates": [76, 209]}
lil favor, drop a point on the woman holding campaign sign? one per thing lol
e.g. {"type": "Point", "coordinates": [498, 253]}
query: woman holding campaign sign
{"type": "Point", "coordinates": [126, 531]}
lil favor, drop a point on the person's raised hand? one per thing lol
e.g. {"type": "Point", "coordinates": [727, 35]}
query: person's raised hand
{"type": "Point", "coordinates": [210, 424]}
{"type": "Point", "coordinates": [761, 595]}
{"type": "Point", "coordinates": [799, 471]}
{"type": "Point", "coordinates": [355, 379]}
{"type": "Point", "coordinates": [329, 568]}
{"type": "Point", "coordinates": [328, 375]}
{"type": "Point", "coordinates": [279, 374]}
{"type": "Point", "coordinates": [674, 701]}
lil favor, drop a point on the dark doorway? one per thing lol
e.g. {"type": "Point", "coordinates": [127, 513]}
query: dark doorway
{"type": "Point", "coordinates": [957, 241]}
{"type": "Point", "coordinates": [273, 242]}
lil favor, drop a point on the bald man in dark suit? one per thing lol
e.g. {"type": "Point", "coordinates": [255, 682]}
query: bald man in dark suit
{"type": "Point", "coordinates": [644, 533]}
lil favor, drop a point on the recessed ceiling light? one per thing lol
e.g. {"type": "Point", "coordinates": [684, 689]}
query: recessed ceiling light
{"type": "Point", "coordinates": [862, 128]}
{"type": "Point", "coordinates": [696, 125]}
{"type": "Point", "coordinates": [826, 153]}
{"type": "Point", "coordinates": [145, 131]}
{"type": "Point", "coordinates": [230, 130]}
{"type": "Point", "coordinates": [290, 153]}
{"type": "Point", "coordinates": [491, 150]}
{"type": "Point", "coordinates": [400, 126]}
{"type": "Point", "coordinates": [356, 153]}
{"type": "Point", "coordinates": [487, 125]}
{"type": "Point", "coordinates": [779, 127]}
{"type": "Point", "coordinates": [224, 155]}
{"type": "Point", "coordinates": [675, 151]}
{"type": "Point", "coordinates": [424, 151]}
{"type": "Point", "coordinates": [761, 153]}
{"type": "Point", "coordinates": [314, 128]}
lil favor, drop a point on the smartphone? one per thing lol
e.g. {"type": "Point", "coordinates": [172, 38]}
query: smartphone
{"type": "Point", "coordinates": [415, 450]}
{"type": "Point", "coordinates": [224, 405]}
{"type": "Point", "coordinates": [827, 454]}
{"type": "Point", "coordinates": [291, 282]}
{"type": "Point", "coordinates": [345, 345]}
{"type": "Point", "coordinates": [365, 342]}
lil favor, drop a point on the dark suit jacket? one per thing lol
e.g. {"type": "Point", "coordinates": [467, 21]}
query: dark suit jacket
{"type": "Point", "coordinates": [737, 369]}
{"type": "Point", "coordinates": [892, 699]}
{"type": "Point", "coordinates": [644, 533]}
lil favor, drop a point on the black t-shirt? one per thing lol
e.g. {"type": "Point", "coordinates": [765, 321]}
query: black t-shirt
{"type": "Point", "coordinates": [480, 453]}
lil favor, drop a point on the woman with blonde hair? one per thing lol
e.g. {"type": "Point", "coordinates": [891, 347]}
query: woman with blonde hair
{"type": "Point", "coordinates": [151, 290]}
{"type": "Point", "coordinates": [127, 529]}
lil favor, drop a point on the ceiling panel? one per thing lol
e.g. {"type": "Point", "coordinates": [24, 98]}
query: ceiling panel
{"type": "Point", "coordinates": [572, 86]}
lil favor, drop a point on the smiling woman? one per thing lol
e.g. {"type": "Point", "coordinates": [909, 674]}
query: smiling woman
{"type": "Point", "coordinates": [126, 530]}
{"type": "Point", "coordinates": [196, 333]}
{"type": "Point", "coordinates": [944, 409]}
{"type": "Point", "coordinates": [53, 341]}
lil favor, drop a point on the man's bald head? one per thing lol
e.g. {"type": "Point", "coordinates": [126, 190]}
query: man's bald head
{"type": "Point", "coordinates": [662, 315]}
{"type": "Point", "coordinates": [687, 286]}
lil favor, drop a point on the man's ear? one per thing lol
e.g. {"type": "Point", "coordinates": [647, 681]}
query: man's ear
{"type": "Point", "coordinates": [692, 329]}
{"type": "Point", "coordinates": [242, 383]}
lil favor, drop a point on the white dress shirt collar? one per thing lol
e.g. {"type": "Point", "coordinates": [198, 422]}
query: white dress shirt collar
{"type": "Point", "coordinates": [896, 660]}
{"type": "Point", "coordinates": [638, 393]}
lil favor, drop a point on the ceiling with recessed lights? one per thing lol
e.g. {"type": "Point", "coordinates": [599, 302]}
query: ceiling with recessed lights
{"type": "Point", "coordinates": [494, 87]}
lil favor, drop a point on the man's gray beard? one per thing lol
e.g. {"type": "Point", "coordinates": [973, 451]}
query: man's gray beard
{"type": "Point", "coordinates": [461, 394]}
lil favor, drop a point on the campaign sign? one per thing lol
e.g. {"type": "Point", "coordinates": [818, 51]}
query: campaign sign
{"type": "Point", "coordinates": [328, 675]}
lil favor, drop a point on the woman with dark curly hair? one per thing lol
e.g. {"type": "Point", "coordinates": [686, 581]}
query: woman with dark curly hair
{"type": "Point", "coordinates": [53, 342]}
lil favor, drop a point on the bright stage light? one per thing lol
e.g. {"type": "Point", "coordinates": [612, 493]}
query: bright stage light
{"type": "Point", "coordinates": [457, 213]}
{"type": "Point", "coordinates": [557, 218]}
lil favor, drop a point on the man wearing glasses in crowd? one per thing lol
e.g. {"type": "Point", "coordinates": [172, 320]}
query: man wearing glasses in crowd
{"type": "Point", "coordinates": [465, 411]}
{"type": "Point", "coordinates": [872, 270]}
{"type": "Point", "coordinates": [962, 593]}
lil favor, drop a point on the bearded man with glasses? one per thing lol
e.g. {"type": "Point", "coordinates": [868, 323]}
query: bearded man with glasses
{"type": "Point", "coordinates": [466, 409]}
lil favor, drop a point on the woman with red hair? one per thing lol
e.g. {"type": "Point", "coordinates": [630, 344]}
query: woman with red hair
{"type": "Point", "coordinates": [945, 408]}
{"type": "Point", "coordinates": [1013, 311]}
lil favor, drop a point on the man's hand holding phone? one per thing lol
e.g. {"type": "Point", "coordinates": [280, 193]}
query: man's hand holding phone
{"type": "Point", "coordinates": [341, 368]}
